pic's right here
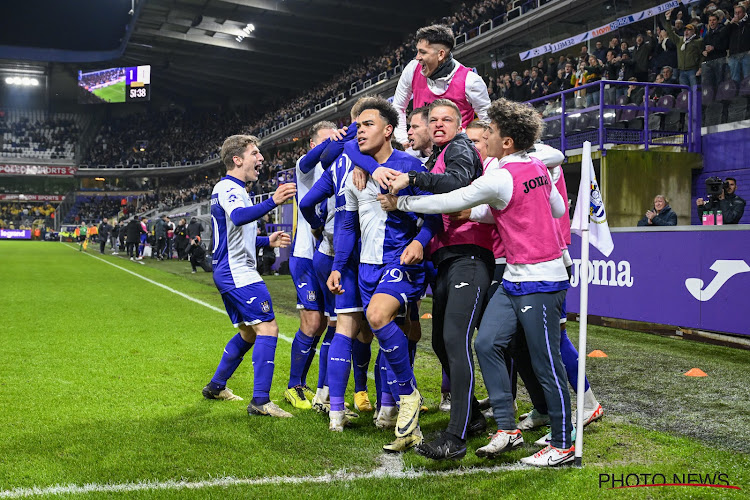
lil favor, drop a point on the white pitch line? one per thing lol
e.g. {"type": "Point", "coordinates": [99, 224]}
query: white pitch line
{"type": "Point", "coordinates": [169, 289]}
{"type": "Point", "coordinates": [392, 467]}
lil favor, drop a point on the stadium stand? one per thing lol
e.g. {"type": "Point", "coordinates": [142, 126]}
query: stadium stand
{"type": "Point", "coordinates": [41, 135]}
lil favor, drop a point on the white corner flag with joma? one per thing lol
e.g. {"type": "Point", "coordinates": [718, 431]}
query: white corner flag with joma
{"type": "Point", "coordinates": [590, 223]}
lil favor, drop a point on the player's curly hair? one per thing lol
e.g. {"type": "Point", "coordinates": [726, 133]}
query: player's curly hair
{"type": "Point", "coordinates": [235, 145]}
{"type": "Point", "coordinates": [437, 33]}
{"type": "Point", "coordinates": [518, 121]}
{"type": "Point", "coordinates": [385, 108]}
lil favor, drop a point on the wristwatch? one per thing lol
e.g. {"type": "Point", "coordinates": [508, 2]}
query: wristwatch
{"type": "Point", "coordinates": [412, 177]}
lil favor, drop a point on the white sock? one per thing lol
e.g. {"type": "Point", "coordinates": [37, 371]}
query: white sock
{"type": "Point", "coordinates": [589, 401]}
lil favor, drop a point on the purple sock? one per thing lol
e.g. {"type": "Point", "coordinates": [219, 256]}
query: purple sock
{"type": "Point", "coordinates": [301, 347]}
{"type": "Point", "coordinates": [378, 383]}
{"type": "Point", "coordinates": [361, 355]}
{"type": "Point", "coordinates": [310, 357]}
{"type": "Point", "coordinates": [339, 364]}
{"type": "Point", "coordinates": [263, 356]}
{"type": "Point", "coordinates": [570, 360]}
{"type": "Point", "coordinates": [395, 349]}
{"type": "Point", "coordinates": [412, 352]}
{"type": "Point", "coordinates": [323, 362]}
{"type": "Point", "coordinates": [233, 353]}
{"type": "Point", "coordinates": [445, 386]}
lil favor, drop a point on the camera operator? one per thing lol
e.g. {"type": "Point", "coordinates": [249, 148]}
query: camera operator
{"type": "Point", "coordinates": [197, 255]}
{"type": "Point", "coordinates": [732, 206]}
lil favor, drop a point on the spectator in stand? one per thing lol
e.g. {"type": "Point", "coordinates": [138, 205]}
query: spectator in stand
{"type": "Point", "coordinates": [679, 27]}
{"type": "Point", "coordinates": [594, 72]}
{"type": "Point", "coordinates": [599, 51]}
{"type": "Point", "coordinates": [660, 215]}
{"type": "Point", "coordinates": [635, 92]}
{"type": "Point", "coordinates": [739, 44]}
{"type": "Point", "coordinates": [641, 57]}
{"type": "Point", "coordinates": [567, 79]}
{"type": "Point", "coordinates": [717, 44]}
{"type": "Point", "coordinates": [518, 92]}
{"type": "Point", "coordinates": [614, 45]}
{"type": "Point", "coordinates": [689, 53]}
{"type": "Point", "coordinates": [665, 53]}
{"type": "Point", "coordinates": [535, 84]}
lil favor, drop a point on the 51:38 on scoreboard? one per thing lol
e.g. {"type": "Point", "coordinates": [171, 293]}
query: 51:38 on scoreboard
{"type": "Point", "coordinates": [137, 83]}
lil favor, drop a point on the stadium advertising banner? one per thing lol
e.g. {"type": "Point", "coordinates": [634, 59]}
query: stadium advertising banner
{"type": "Point", "coordinates": [31, 197]}
{"type": "Point", "coordinates": [692, 279]}
{"type": "Point", "coordinates": [15, 234]}
{"type": "Point", "coordinates": [601, 30]}
{"type": "Point", "coordinates": [10, 169]}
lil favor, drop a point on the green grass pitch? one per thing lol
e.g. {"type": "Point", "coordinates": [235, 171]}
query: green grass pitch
{"type": "Point", "coordinates": [101, 373]}
{"type": "Point", "coordinates": [112, 93]}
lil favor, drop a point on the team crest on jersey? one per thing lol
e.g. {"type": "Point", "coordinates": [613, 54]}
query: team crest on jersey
{"type": "Point", "coordinates": [265, 306]}
{"type": "Point", "coordinates": [311, 295]}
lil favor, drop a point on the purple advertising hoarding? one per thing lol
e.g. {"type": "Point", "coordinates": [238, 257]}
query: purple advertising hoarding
{"type": "Point", "coordinates": [15, 234]}
{"type": "Point", "coordinates": [691, 277]}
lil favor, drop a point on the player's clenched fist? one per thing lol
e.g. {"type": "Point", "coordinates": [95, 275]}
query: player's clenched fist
{"type": "Point", "coordinates": [284, 192]}
{"type": "Point", "coordinates": [279, 239]}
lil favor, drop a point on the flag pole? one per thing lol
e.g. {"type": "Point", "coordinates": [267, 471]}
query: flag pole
{"type": "Point", "coordinates": [584, 306]}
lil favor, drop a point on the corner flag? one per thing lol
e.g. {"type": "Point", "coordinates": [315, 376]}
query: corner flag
{"type": "Point", "coordinates": [591, 215]}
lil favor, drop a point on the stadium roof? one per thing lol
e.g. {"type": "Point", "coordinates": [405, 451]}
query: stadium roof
{"type": "Point", "coordinates": [200, 45]}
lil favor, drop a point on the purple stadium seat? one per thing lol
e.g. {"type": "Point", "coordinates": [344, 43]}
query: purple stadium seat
{"type": "Point", "coordinates": [707, 95]}
{"type": "Point", "coordinates": [572, 124]}
{"type": "Point", "coordinates": [745, 87]}
{"type": "Point", "coordinates": [682, 100]}
{"type": "Point", "coordinates": [726, 91]}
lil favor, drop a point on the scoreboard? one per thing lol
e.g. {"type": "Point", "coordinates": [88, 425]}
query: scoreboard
{"type": "Point", "coordinates": [113, 85]}
{"type": "Point", "coordinates": [138, 83]}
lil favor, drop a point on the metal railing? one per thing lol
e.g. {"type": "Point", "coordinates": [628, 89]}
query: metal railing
{"type": "Point", "coordinates": [574, 116]}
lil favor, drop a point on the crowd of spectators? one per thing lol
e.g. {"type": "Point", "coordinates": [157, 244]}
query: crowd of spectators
{"type": "Point", "coordinates": [646, 57]}
{"type": "Point", "coordinates": [16, 215]}
{"type": "Point", "coordinates": [470, 15]}
{"type": "Point", "coordinates": [154, 137]}
{"type": "Point", "coordinates": [38, 135]}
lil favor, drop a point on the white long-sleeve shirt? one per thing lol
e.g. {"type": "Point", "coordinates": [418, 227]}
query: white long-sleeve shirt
{"type": "Point", "coordinates": [476, 94]}
{"type": "Point", "coordinates": [494, 189]}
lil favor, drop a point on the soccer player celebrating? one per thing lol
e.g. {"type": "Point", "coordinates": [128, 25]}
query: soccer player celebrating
{"type": "Point", "coordinates": [434, 74]}
{"type": "Point", "coordinates": [348, 306]}
{"type": "Point", "coordinates": [310, 296]}
{"type": "Point", "coordinates": [462, 254]}
{"type": "Point", "coordinates": [523, 203]}
{"type": "Point", "coordinates": [245, 296]}
{"type": "Point", "coordinates": [391, 270]}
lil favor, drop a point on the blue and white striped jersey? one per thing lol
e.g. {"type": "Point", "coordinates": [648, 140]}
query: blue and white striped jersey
{"type": "Point", "coordinates": [234, 246]}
